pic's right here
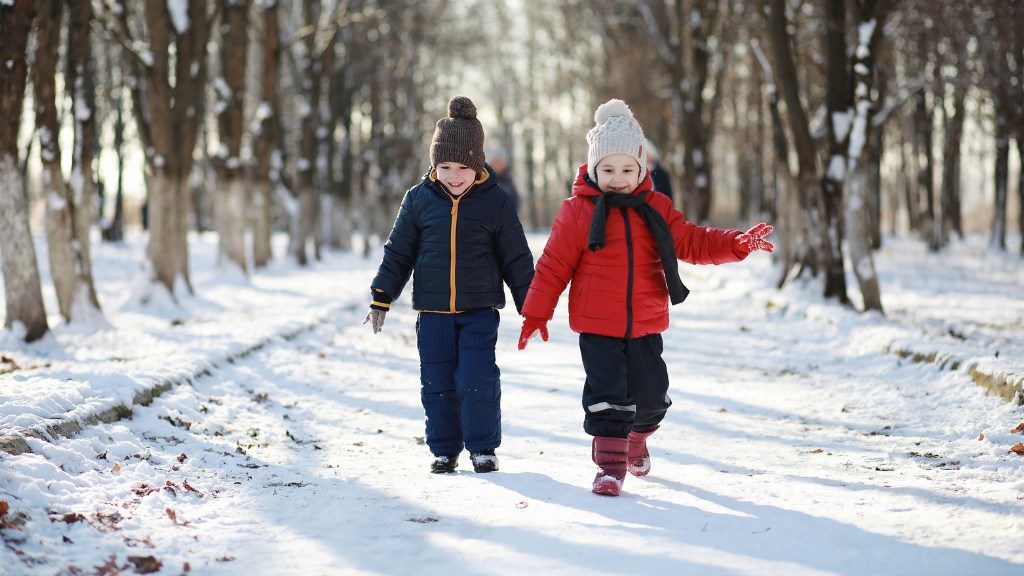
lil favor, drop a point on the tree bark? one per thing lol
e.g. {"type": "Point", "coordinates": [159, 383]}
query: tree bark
{"type": "Point", "coordinates": [950, 203]}
{"type": "Point", "coordinates": [230, 206]}
{"type": "Point", "coordinates": [267, 150]}
{"type": "Point", "coordinates": [1002, 176]}
{"type": "Point", "coordinates": [70, 269]}
{"type": "Point", "coordinates": [168, 107]}
{"type": "Point", "coordinates": [822, 251]}
{"type": "Point", "coordinates": [23, 294]}
{"type": "Point", "coordinates": [80, 78]}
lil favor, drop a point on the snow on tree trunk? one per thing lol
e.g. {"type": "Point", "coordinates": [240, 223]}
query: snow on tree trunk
{"type": "Point", "coordinates": [69, 266]}
{"type": "Point", "coordinates": [22, 292]}
{"type": "Point", "coordinates": [858, 171]}
{"type": "Point", "coordinates": [23, 296]}
{"type": "Point", "coordinates": [168, 90]}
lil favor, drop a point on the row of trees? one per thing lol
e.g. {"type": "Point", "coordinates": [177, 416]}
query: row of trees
{"type": "Point", "coordinates": [315, 115]}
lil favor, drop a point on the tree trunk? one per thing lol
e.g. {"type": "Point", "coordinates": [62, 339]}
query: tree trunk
{"type": "Point", "coordinates": [1002, 176]}
{"type": "Point", "coordinates": [23, 296]}
{"type": "Point", "coordinates": [168, 118]}
{"type": "Point", "coordinates": [230, 198]}
{"type": "Point", "coordinates": [823, 250]}
{"type": "Point", "coordinates": [1020, 194]}
{"type": "Point", "coordinates": [923, 128]}
{"type": "Point", "coordinates": [80, 76]}
{"type": "Point", "coordinates": [267, 139]}
{"type": "Point", "coordinates": [69, 268]}
{"type": "Point", "coordinates": [954, 128]}
{"type": "Point", "coordinates": [838, 104]}
{"type": "Point", "coordinates": [871, 20]}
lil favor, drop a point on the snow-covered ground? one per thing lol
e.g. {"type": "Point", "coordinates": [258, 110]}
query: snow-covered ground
{"type": "Point", "coordinates": [804, 438]}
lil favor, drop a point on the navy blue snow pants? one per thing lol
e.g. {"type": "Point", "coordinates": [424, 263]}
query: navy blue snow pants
{"type": "Point", "coordinates": [460, 384]}
{"type": "Point", "coordinates": [627, 384]}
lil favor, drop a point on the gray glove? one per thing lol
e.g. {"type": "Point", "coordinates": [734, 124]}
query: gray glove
{"type": "Point", "coordinates": [376, 320]}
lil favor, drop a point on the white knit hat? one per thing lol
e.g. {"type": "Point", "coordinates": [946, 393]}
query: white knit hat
{"type": "Point", "coordinates": [616, 132]}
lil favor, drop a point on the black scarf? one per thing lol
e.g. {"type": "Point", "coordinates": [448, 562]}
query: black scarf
{"type": "Point", "coordinates": [655, 223]}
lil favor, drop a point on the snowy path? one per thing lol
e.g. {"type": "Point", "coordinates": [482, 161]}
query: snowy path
{"type": "Point", "coordinates": [796, 445]}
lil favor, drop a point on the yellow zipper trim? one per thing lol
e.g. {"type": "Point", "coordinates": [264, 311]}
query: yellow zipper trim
{"type": "Point", "coordinates": [451, 270]}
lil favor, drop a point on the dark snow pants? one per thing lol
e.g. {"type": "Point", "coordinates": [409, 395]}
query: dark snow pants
{"type": "Point", "coordinates": [460, 384]}
{"type": "Point", "coordinates": [627, 384]}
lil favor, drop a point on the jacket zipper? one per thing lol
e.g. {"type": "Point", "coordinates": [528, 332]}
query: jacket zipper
{"type": "Point", "coordinates": [451, 268]}
{"type": "Point", "coordinates": [629, 283]}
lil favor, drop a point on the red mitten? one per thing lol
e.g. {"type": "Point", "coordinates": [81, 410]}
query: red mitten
{"type": "Point", "coordinates": [531, 326]}
{"type": "Point", "coordinates": [752, 240]}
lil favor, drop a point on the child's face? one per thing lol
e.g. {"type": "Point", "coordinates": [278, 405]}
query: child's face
{"type": "Point", "coordinates": [456, 177]}
{"type": "Point", "coordinates": [618, 173]}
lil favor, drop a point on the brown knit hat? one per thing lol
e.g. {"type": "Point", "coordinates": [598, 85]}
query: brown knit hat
{"type": "Point", "coordinates": [459, 137]}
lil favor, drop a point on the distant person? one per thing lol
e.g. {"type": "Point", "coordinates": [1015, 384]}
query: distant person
{"type": "Point", "coordinates": [498, 160]}
{"type": "Point", "coordinates": [459, 237]}
{"type": "Point", "coordinates": [618, 245]}
{"type": "Point", "coordinates": [659, 174]}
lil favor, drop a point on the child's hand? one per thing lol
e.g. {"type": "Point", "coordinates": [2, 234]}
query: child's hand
{"type": "Point", "coordinates": [531, 326]}
{"type": "Point", "coordinates": [376, 320]}
{"type": "Point", "coordinates": [752, 240]}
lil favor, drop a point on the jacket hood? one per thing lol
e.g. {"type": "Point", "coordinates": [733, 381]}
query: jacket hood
{"type": "Point", "coordinates": [584, 186]}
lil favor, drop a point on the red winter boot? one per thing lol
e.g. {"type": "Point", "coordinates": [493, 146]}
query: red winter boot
{"type": "Point", "coordinates": [638, 459]}
{"type": "Point", "coordinates": [610, 456]}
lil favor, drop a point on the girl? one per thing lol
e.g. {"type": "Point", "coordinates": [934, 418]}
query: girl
{"type": "Point", "coordinates": [618, 243]}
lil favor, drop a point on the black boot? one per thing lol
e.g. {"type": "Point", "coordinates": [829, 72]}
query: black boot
{"type": "Point", "coordinates": [444, 464]}
{"type": "Point", "coordinates": [484, 461]}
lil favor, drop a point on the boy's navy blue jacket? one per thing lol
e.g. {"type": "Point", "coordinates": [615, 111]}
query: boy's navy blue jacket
{"type": "Point", "coordinates": [459, 249]}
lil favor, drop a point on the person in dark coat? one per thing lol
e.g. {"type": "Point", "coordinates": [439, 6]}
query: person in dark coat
{"type": "Point", "coordinates": [459, 237]}
{"type": "Point", "coordinates": [498, 161]}
{"type": "Point", "coordinates": [661, 180]}
{"type": "Point", "coordinates": [618, 243]}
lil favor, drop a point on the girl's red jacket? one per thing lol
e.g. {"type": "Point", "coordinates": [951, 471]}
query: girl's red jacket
{"type": "Point", "coordinates": [619, 290]}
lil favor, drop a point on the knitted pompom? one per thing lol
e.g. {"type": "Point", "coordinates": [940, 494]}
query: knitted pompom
{"type": "Point", "coordinates": [461, 107]}
{"type": "Point", "coordinates": [611, 108]}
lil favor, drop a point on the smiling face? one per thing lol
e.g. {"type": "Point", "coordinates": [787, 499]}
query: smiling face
{"type": "Point", "coordinates": [457, 178]}
{"type": "Point", "coordinates": [618, 173]}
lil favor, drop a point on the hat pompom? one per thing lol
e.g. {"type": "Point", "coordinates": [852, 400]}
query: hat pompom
{"type": "Point", "coordinates": [461, 107]}
{"type": "Point", "coordinates": [611, 109]}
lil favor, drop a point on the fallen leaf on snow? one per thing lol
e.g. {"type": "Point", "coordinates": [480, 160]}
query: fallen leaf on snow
{"type": "Point", "coordinates": [145, 564]}
{"type": "Point", "coordinates": [116, 468]}
{"type": "Point", "coordinates": [1019, 428]}
{"type": "Point", "coordinates": [981, 436]}
{"type": "Point", "coordinates": [1018, 449]}
{"type": "Point", "coordinates": [189, 488]}
{"type": "Point", "coordinates": [816, 451]}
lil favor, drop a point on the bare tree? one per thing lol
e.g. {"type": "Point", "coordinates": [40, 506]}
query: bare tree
{"type": "Point", "coordinates": [70, 268]}
{"type": "Point", "coordinates": [22, 292]}
{"type": "Point", "coordinates": [822, 250]}
{"type": "Point", "coordinates": [230, 207]}
{"type": "Point", "coordinates": [80, 82]}
{"type": "Point", "coordinates": [169, 52]}
{"type": "Point", "coordinates": [267, 134]}
{"type": "Point", "coordinates": [870, 20]}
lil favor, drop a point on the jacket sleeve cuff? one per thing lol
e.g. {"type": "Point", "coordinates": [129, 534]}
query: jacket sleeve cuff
{"type": "Point", "coordinates": [379, 300]}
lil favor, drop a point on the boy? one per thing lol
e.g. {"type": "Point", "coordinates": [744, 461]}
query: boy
{"type": "Point", "coordinates": [459, 236]}
{"type": "Point", "coordinates": [618, 243]}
